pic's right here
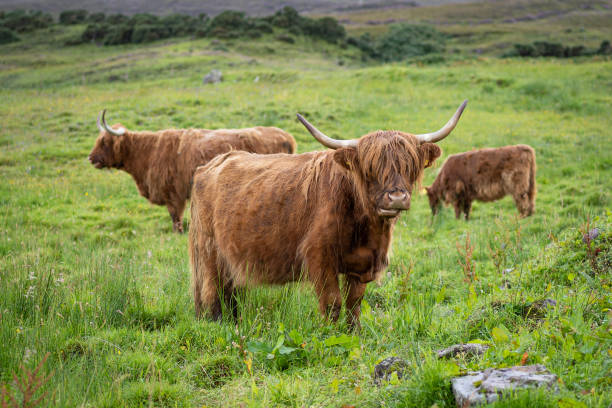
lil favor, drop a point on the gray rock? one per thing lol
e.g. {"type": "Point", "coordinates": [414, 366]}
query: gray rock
{"type": "Point", "coordinates": [213, 77]}
{"type": "Point", "coordinates": [486, 386]}
{"type": "Point", "coordinates": [470, 349]}
{"type": "Point", "coordinates": [385, 368]}
{"type": "Point", "coordinates": [539, 308]}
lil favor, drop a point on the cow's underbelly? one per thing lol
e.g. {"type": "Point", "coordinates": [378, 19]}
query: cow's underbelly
{"type": "Point", "coordinates": [490, 192]}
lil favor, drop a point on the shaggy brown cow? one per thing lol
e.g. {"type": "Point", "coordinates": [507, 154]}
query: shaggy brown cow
{"type": "Point", "coordinates": [162, 163]}
{"type": "Point", "coordinates": [486, 175]}
{"type": "Point", "coordinates": [266, 219]}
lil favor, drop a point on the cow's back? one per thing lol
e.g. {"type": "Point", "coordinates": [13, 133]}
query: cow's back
{"type": "Point", "coordinates": [491, 173]}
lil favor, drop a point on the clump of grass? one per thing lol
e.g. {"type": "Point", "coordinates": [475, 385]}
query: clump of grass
{"type": "Point", "coordinates": [29, 383]}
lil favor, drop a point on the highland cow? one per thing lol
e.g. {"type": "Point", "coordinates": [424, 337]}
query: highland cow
{"type": "Point", "coordinates": [162, 163]}
{"type": "Point", "coordinates": [486, 175]}
{"type": "Point", "coordinates": [278, 218]}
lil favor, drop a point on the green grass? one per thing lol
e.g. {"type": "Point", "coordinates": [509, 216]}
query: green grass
{"type": "Point", "coordinates": [91, 273]}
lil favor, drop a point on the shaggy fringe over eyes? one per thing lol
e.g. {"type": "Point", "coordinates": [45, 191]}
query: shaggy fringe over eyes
{"type": "Point", "coordinates": [386, 154]}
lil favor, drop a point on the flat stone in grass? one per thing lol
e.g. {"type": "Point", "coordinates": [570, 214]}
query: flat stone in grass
{"type": "Point", "coordinates": [470, 349]}
{"type": "Point", "coordinates": [482, 387]}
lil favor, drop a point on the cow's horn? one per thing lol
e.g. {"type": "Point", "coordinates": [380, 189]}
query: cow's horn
{"type": "Point", "coordinates": [445, 131]}
{"type": "Point", "coordinates": [104, 127]}
{"type": "Point", "coordinates": [324, 139]}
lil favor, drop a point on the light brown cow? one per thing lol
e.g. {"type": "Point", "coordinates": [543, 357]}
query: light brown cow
{"type": "Point", "coordinates": [162, 163]}
{"type": "Point", "coordinates": [259, 219]}
{"type": "Point", "coordinates": [486, 175]}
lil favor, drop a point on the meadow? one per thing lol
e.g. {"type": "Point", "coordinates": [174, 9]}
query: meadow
{"type": "Point", "coordinates": [92, 274]}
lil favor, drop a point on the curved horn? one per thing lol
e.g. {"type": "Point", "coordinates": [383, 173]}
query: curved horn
{"type": "Point", "coordinates": [104, 127]}
{"type": "Point", "coordinates": [446, 129]}
{"type": "Point", "coordinates": [324, 139]}
{"type": "Point", "coordinates": [99, 124]}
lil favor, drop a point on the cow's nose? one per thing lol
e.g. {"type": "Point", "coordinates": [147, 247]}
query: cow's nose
{"type": "Point", "coordinates": [397, 196]}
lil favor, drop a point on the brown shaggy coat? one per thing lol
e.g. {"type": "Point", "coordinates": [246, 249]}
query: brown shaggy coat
{"type": "Point", "coordinates": [162, 163]}
{"type": "Point", "coordinates": [259, 219]}
{"type": "Point", "coordinates": [486, 175]}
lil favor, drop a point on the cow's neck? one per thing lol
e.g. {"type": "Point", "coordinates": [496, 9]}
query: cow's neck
{"type": "Point", "coordinates": [137, 153]}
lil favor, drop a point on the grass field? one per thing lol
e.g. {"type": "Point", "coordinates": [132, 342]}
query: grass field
{"type": "Point", "coordinates": [92, 274]}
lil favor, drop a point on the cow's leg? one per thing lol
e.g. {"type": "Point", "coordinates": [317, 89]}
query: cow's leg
{"type": "Point", "coordinates": [176, 210]}
{"type": "Point", "coordinates": [355, 291]}
{"type": "Point", "coordinates": [457, 206]}
{"type": "Point", "coordinates": [231, 293]}
{"type": "Point", "coordinates": [467, 206]}
{"type": "Point", "coordinates": [328, 291]}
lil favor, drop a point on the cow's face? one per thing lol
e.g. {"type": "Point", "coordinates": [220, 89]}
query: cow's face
{"type": "Point", "coordinates": [386, 165]}
{"type": "Point", "coordinates": [106, 152]}
{"type": "Point", "coordinates": [434, 200]}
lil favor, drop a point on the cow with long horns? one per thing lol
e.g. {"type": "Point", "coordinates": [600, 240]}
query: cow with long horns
{"type": "Point", "coordinates": [274, 219]}
{"type": "Point", "coordinates": [162, 163]}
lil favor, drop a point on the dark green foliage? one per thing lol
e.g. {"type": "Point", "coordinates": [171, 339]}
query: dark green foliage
{"type": "Point", "coordinates": [326, 28]}
{"type": "Point", "coordinates": [121, 34]}
{"type": "Point", "coordinates": [604, 48]}
{"type": "Point", "coordinates": [409, 40]}
{"type": "Point", "coordinates": [22, 21]}
{"type": "Point", "coordinates": [95, 33]}
{"type": "Point", "coordinates": [7, 36]}
{"type": "Point", "coordinates": [401, 42]}
{"type": "Point", "coordinates": [557, 50]}
{"type": "Point", "coordinates": [144, 27]}
{"type": "Point", "coordinates": [69, 17]}
{"type": "Point", "coordinates": [183, 24]}
{"type": "Point", "coordinates": [96, 17]}
{"type": "Point", "coordinates": [148, 32]}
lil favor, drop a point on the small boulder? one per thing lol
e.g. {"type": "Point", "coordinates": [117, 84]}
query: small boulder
{"type": "Point", "coordinates": [484, 387]}
{"type": "Point", "coordinates": [213, 77]}
{"type": "Point", "coordinates": [385, 368]}
{"type": "Point", "coordinates": [470, 349]}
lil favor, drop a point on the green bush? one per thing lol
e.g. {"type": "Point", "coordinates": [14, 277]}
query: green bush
{"type": "Point", "coordinates": [149, 32]}
{"type": "Point", "coordinates": [7, 36]}
{"type": "Point", "coordinates": [96, 17]}
{"type": "Point", "coordinates": [121, 34]}
{"type": "Point", "coordinates": [401, 42]}
{"type": "Point", "coordinates": [326, 28]}
{"type": "Point", "coordinates": [547, 49]}
{"type": "Point", "coordinates": [95, 33]}
{"type": "Point", "coordinates": [22, 21]}
{"type": "Point", "coordinates": [69, 17]}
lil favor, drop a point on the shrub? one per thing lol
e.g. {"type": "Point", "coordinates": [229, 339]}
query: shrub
{"type": "Point", "coordinates": [143, 18]}
{"type": "Point", "coordinates": [7, 36]}
{"type": "Point", "coordinates": [116, 19]}
{"type": "Point", "coordinates": [326, 28]}
{"type": "Point", "coordinates": [148, 32]}
{"type": "Point", "coordinates": [95, 33]}
{"type": "Point", "coordinates": [22, 21]}
{"type": "Point", "coordinates": [121, 34]}
{"type": "Point", "coordinates": [409, 40]}
{"type": "Point", "coordinates": [96, 17]}
{"type": "Point", "coordinates": [287, 18]}
{"type": "Point", "coordinates": [604, 48]}
{"type": "Point", "coordinates": [69, 17]}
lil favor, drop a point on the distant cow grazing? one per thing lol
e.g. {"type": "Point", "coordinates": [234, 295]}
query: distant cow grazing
{"type": "Point", "coordinates": [486, 175]}
{"type": "Point", "coordinates": [259, 219]}
{"type": "Point", "coordinates": [162, 163]}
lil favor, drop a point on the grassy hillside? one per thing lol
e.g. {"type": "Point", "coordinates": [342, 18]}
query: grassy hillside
{"type": "Point", "coordinates": [492, 27]}
{"type": "Point", "coordinates": [92, 274]}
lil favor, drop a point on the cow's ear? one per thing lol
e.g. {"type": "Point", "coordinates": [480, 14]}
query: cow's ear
{"type": "Point", "coordinates": [346, 157]}
{"type": "Point", "coordinates": [429, 153]}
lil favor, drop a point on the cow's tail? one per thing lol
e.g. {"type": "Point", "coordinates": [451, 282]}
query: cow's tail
{"type": "Point", "coordinates": [532, 191]}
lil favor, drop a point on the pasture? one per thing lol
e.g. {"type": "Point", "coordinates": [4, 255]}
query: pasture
{"type": "Point", "coordinates": [91, 273]}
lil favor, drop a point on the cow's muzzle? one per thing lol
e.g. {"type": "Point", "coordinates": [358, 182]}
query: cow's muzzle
{"type": "Point", "coordinates": [96, 161]}
{"type": "Point", "coordinates": [394, 203]}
